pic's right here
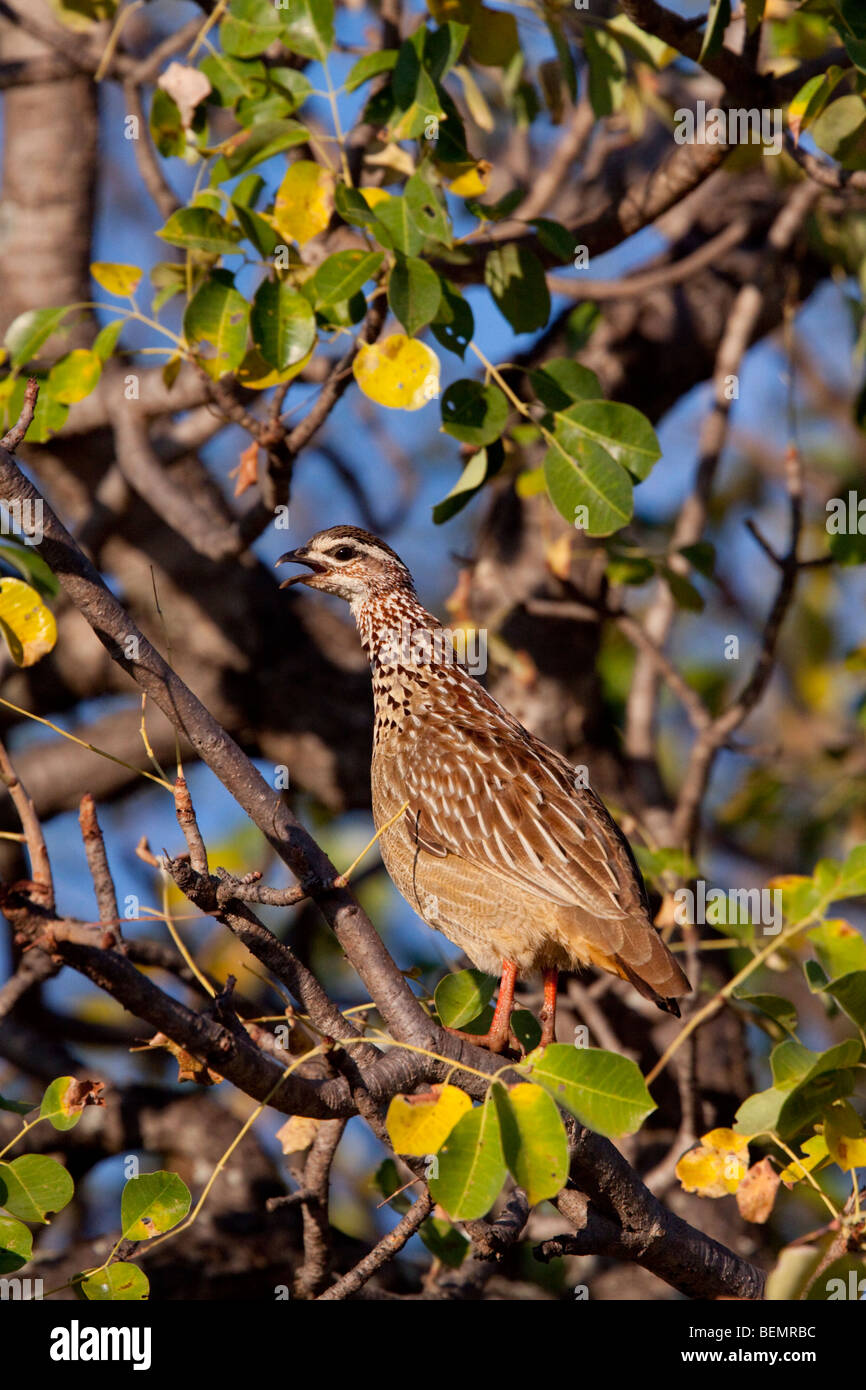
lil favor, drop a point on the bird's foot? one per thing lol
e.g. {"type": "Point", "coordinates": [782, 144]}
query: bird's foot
{"type": "Point", "coordinates": [495, 1039]}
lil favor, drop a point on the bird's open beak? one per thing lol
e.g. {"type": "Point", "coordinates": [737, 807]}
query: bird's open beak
{"type": "Point", "coordinates": [297, 557]}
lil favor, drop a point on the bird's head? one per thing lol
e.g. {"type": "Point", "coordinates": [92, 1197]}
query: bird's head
{"type": "Point", "coordinates": [349, 562]}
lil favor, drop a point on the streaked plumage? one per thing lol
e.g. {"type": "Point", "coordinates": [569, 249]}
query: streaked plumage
{"type": "Point", "coordinates": [500, 847]}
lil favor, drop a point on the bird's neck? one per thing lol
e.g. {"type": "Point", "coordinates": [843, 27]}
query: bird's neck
{"type": "Point", "coordinates": [393, 627]}
{"type": "Point", "coordinates": [402, 641]}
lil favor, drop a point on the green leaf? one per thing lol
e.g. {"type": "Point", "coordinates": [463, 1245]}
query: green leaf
{"type": "Point", "coordinates": [774, 1006]}
{"type": "Point", "coordinates": [283, 324]}
{"type": "Point", "coordinates": [353, 207]}
{"type": "Point", "coordinates": [471, 1165]}
{"type": "Point", "coordinates": [49, 417]}
{"type": "Point", "coordinates": [414, 94]}
{"type": "Point", "coordinates": [585, 484]}
{"type": "Point", "coordinates": [533, 1139]}
{"type": "Point", "coordinates": [32, 1186]}
{"type": "Point", "coordinates": [759, 1114]}
{"type": "Point", "coordinates": [401, 231]}
{"type": "Point", "coordinates": [120, 1283]}
{"type": "Point", "coordinates": [106, 339]}
{"type": "Point", "coordinates": [607, 71]}
{"type": "Point", "coordinates": [55, 1105]}
{"type": "Point", "coordinates": [848, 549]}
{"type": "Point", "coordinates": [308, 28]}
{"type": "Point", "coordinates": [754, 14]}
{"type": "Point", "coordinates": [201, 229]}
{"type": "Point", "coordinates": [622, 431]}
{"type": "Point", "coordinates": [515, 277]}
{"type": "Point", "coordinates": [498, 211]}
{"type": "Point", "coordinates": [460, 997]}
{"type": "Point", "coordinates": [215, 324]}
{"type": "Point", "coordinates": [718, 19]}
{"type": "Point", "coordinates": [74, 376]}
{"type": "Point", "coordinates": [16, 1244]}
{"type": "Point", "coordinates": [562, 382]}
{"type": "Point", "coordinates": [701, 556]}
{"type": "Point", "coordinates": [606, 1092]}
{"type": "Point", "coordinates": [444, 1241]}
{"type": "Point", "coordinates": [427, 208]}
{"type": "Point", "coordinates": [233, 80]}
{"type": "Point", "coordinates": [556, 239]}
{"type": "Point", "coordinates": [166, 126]}
{"type": "Point", "coordinates": [849, 991]}
{"type": "Point", "coordinates": [811, 99]}
{"type": "Point", "coordinates": [262, 141]}
{"type": "Point", "coordinates": [257, 230]}
{"type": "Point", "coordinates": [414, 293]}
{"type": "Point", "coordinates": [630, 569]}
{"type": "Point", "coordinates": [442, 48]}
{"type": "Point", "coordinates": [840, 130]}
{"type": "Point", "coordinates": [481, 466]}
{"type": "Point", "coordinates": [342, 275]}
{"type": "Point", "coordinates": [250, 27]}
{"type": "Point", "coordinates": [526, 1029]}
{"type": "Point", "coordinates": [31, 566]}
{"type": "Point", "coordinates": [683, 591]}
{"type": "Point", "coordinates": [151, 1204]}
{"type": "Point", "coordinates": [27, 333]}
{"type": "Point", "coordinates": [454, 324]}
{"type": "Point", "coordinates": [473, 413]}
{"type": "Point", "coordinates": [839, 947]}
{"type": "Point", "coordinates": [16, 1107]}
{"type": "Point", "coordinates": [371, 65]}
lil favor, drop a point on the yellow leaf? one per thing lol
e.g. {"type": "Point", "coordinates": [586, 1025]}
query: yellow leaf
{"type": "Point", "coordinates": [374, 196]}
{"type": "Point", "coordinates": [845, 1136]}
{"type": "Point", "coordinates": [421, 1124]}
{"type": "Point", "coordinates": [716, 1166]}
{"type": "Point", "coordinates": [27, 625]}
{"type": "Point", "coordinates": [398, 372]}
{"type": "Point", "coordinates": [297, 1133]}
{"type": "Point", "coordinates": [814, 1152]}
{"type": "Point", "coordinates": [74, 376]}
{"type": "Point", "coordinates": [558, 556]}
{"type": "Point", "coordinates": [122, 280]}
{"type": "Point", "coordinates": [305, 201]}
{"type": "Point", "coordinates": [473, 183]}
{"type": "Point", "coordinates": [257, 374]}
{"type": "Point", "coordinates": [727, 1141]}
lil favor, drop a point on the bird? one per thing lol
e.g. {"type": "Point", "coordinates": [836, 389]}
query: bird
{"type": "Point", "coordinates": [486, 831]}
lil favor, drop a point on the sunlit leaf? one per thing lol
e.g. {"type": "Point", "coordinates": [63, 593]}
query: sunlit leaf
{"type": "Point", "coordinates": [399, 372]}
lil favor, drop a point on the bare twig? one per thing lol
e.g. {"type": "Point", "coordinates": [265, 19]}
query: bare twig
{"type": "Point", "coordinates": [389, 1246]}
{"type": "Point", "coordinates": [97, 862]}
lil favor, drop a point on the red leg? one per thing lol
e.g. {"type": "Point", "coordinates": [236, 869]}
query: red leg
{"type": "Point", "coordinates": [497, 1035]}
{"type": "Point", "coordinates": [548, 1011]}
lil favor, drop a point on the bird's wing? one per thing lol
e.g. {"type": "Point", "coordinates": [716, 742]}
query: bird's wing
{"type": "Point", "coordinates": [482, 788]}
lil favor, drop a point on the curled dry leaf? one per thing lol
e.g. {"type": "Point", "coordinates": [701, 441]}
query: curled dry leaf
{"type": "Point", "coordinates": [297, 1133]}
{"type": "Point", "coordinates": [186, 87]}
{"type": "Point", "coordinates": [246, 473]}
{"type": "Point", "coordinates": [757, 1192]}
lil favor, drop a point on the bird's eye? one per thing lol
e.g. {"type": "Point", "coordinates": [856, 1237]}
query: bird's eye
{"type": "Point", "coordinates": [345, 552]}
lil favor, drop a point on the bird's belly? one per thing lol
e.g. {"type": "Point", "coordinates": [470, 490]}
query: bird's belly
{"type": "Point", "coordinates": [490, 919]}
